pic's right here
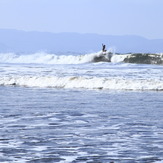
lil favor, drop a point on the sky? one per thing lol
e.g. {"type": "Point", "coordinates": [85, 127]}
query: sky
{"type": "Point", "coordinates": [108, 17]}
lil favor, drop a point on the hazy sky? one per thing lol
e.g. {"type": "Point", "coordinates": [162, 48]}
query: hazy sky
{"type": "Point", "coordinates": [111, 17]}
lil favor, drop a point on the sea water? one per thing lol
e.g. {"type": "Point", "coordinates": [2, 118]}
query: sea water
{"type": "Point", "coordinates": [69, 109]}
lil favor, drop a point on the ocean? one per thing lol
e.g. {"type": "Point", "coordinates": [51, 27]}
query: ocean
{"type": "Point", "coordinates": [80, 108]}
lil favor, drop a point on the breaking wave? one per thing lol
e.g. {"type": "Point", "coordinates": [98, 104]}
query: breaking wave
{"type": "Point", "coordinates": [75, 82]}
{"type": "Point", "coordinates": [45, 58]}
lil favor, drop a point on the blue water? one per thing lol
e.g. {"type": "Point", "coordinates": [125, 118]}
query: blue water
{"type": "Point", "coordinates": [78, 125]}
{"type": "Point", "coordinates": [69, 109]}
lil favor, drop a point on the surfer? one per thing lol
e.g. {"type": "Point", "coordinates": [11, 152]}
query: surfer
{"type": "Point", "coordinates": [103, 48]}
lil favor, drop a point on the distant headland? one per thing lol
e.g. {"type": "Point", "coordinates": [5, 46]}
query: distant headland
{"type": "Point", "coordinates": [28, 42]}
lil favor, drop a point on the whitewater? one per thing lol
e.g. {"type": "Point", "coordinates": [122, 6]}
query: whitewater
{"type": "Point", "coordinates": [73, 108]}
{"type": "Point", "coordinates": [80, 71]}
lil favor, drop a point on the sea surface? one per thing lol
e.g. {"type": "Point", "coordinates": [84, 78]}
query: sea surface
{"type": "Point", "coordinates": [68, 108]}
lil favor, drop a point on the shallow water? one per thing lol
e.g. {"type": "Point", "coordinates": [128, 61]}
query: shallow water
{"type": "Point", "coordinates": [65, 125]}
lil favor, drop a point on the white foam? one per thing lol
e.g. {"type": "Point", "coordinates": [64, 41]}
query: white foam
{"type": "Point", "coordinates": [68, 159]}
{"type": "Point", "coordinates": [46, 58]}
{"type": "Point", "coordinates": [84, 82]}
{"type": "Point", "coordinates": [40, 148]}
{"type": "Point", "coordinates": [118, 58]}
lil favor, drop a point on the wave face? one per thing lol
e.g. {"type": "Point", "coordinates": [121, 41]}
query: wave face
{"type": "Point", "coordinates": [144, 58]}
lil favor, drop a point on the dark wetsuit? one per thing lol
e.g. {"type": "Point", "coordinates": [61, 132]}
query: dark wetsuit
{"type": "Point", "coordinates": [103, 48]}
